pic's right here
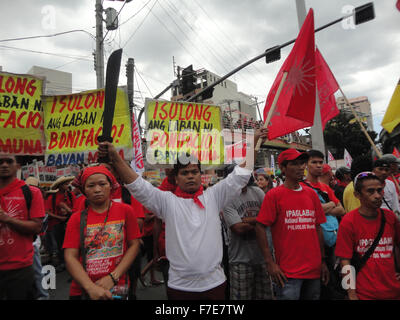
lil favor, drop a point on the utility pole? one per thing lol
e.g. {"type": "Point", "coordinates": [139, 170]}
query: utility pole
{"type": "Point", "coordinates": [99, 45]}
{"type": "Point", "coordinates": [317, 137]}
{"type": "Point", "coordinates": [130, 67]}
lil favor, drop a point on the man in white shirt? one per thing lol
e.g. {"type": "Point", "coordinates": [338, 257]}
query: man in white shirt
{"type": "Point", "coordinates": [381, 168]}
{"type": "Point", "coordinates": [192, 223]}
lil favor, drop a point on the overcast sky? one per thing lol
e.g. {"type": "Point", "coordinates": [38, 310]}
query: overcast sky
{"type": "Point", "coordinates": [216, 35]}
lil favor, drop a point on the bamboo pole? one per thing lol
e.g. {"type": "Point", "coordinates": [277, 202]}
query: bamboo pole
{"type": "Point", "coordinates": [273, 107]}
{"type": "Point", "coordinates": [379, 154]}
{"type": "Point", "coordinates": [360, 123]}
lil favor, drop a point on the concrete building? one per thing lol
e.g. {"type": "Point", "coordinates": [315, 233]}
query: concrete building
{"type": "Point", "coordinates": [57, 82]}
{"type": "Point", "coordinates": [237, 105]}
{"type": "Point", "coordinates": [362, 106]}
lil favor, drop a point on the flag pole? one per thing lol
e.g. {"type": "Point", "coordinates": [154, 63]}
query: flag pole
{"type": "Point", "coordinates": [379, 154]}
{"type": "Point", "coordinates": [273, 107]}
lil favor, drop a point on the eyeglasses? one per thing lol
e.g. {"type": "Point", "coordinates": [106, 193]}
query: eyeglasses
{"type": "Point", "coordinates": [6, 160]}
{"type": "Point", "coordinates": [363, 175]}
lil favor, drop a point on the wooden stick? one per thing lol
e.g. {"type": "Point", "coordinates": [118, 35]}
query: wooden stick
{"type": "Point", "coordinates": [360, 123]}
{"type": "Point", "coordinates": [379, 154]}
{"type": "Point", "coordinates": [273, 107]}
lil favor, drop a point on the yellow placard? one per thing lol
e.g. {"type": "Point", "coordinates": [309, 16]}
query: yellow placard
{"type": "Point", "coordinates": [73, 122]}
{"type": "Point", "coordinates": [21, 115]}
{"type": "Point", "coordinates": [175, 129]}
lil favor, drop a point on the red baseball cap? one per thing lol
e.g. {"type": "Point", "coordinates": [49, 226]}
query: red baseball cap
{"type": "Point", "coordinates": [291, 154]}
{"type": "Point", "coordinates": [326, 168]}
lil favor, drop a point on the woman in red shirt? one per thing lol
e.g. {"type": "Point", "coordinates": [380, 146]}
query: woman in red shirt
{"type": "Point", "coordinates": [111, 239]}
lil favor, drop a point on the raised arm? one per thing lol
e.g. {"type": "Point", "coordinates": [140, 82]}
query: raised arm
{"type": "Point", "coordinates": [124, 170]}
{"type": "Point", "coordinates": [259, 134]}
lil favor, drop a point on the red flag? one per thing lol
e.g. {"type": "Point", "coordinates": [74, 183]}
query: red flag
{"type": "Point", "coordinates": [296, 104]}
{"type": "Point", "coordinates": [398, 5]}
{"type": "Point", "coordinates": [396, 152]}
{"type": "Point", "coordinates": [330, 156]}
{"type": "Point", "coordinates": [327, 86]}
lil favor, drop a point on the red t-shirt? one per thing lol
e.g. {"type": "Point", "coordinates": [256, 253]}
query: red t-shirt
{"type": "Point", "coordinates": [103, 257]}
{"type": "Point", "coordinates": [161, 241]}
{"type": "Point", "coordinates": [325, 188]}
{"type": "Point", "coordinates": [377, 279]}
{"type": "Point", "coordinates": [16, 250]}
{"type": "Point", "coordinates": [60, 197]}
{"type": "Point", "coordinates": [148, 225]}
{"type": "Point", "coordinates": [293, 217]}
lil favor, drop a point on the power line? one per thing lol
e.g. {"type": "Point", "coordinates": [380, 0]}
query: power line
{"type": "Point", "coordinates": [227, 37]}
{"type": "Point", "coordinates": [221, 62]}
{"type": "Point", "coordinates": [135, 14]}
{"type": "Point", "coordinates": [49, 35]}
{"type": "Point", "coordinates": [140, 22]}
{"type": "Point", "coordinates": [180, 43]}
{"type": "Point", "coordinates": [114, 20]}
{"type": "Point", "coordinates": [47, 53]}
{"type": "Point", "coordinates": [137, 71]}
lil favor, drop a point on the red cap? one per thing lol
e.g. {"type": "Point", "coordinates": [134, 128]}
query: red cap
{"type": "Point", "coordinates": [326, 168]}
{"type": "Point", "coordinates": [291, 154]}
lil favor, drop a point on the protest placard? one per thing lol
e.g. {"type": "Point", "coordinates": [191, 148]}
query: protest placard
{"type": "Point", "coordinates": [73, 122]}
{"type": "Point", "coordinates": [175, 129]}
{"type": "Point", "coordinates": [21, 115]}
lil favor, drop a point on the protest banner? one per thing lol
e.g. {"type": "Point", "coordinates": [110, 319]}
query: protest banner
{"type": "Point", "coordinates": [73, 122]}
{"type": "Point", "coordinates": [137, 162]}
{"type": "Point", "coordinates": [21, 115]}
{"type": "Point", "coordinates": [177, 128]}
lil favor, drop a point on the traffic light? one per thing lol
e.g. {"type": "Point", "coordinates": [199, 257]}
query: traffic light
{"type": "Point", "coordinates": [188, 80]}
{"type": "Point", "coordinates": [207, 94]}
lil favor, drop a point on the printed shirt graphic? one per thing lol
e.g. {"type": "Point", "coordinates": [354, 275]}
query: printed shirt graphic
{"type": "Point", "coordinates": [293, 217]}
{"type": "Point", "coordinates": [106, 249]}
{"type": "Point", "coordinates": [16, 250]}
{"type": "Point", "coordinates": [377, 279]}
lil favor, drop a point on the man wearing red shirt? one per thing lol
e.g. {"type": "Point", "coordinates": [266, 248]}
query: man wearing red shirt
{"type": "Point", "coordinates": [294, 214]}
{"type": "Point", "coordinates": [377, 279]}
{"type": "Point", "coordinates": [17, 227]}
{"type": "Point", "coordinates": [333, 210]}
{"type": "Point", "coordinates": [59, 208]}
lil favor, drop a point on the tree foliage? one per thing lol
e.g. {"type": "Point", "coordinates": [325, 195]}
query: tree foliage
{"type": "Point", "coordinates": [340, 134]}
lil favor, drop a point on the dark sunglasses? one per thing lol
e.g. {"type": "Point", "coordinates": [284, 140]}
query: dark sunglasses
{"type": "Point", "coordinates": [363, 175]}
{"type": "Point", "coordinates": [6, 160]}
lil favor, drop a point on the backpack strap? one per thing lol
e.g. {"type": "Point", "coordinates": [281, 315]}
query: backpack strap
{"type": "Point", "coordinates": [27, 195]}
{"type": "Point", "coordinates": [363, 260]}
{"type": "Point", "coordinates": [82, 234]}
{"type": "Point", "coordinates": [70, 197]}
{"type": "Point", "coordinates": [323, 194]}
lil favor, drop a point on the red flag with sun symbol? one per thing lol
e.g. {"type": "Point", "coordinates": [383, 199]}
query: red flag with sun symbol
{"type": "Point", "coordinates": [296, 103]}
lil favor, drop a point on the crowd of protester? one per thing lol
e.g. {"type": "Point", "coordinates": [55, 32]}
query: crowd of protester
{"type": "Point", "coordinates": [251, 236]}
